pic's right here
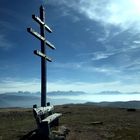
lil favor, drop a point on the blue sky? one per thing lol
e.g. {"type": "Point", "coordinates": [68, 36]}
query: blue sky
{"type": "Point", "coordinates": [97, 45]}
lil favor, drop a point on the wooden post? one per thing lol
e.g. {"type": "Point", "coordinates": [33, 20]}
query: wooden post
{"type": "Point", "coordinates": [44, 123]}
{"type": "Point", "coordinates": [42, 53]}
{"type": "Point", "coordinates": [43, 60]}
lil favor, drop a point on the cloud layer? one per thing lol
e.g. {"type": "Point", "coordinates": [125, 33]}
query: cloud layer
{"type": "Point", "coordinates": [9, 85]}
{"type": "Point", "coordinates": [122, 13]}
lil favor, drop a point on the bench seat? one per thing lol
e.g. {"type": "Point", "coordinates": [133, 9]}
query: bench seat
{"type": "Point", "coordinates": [52, 117]}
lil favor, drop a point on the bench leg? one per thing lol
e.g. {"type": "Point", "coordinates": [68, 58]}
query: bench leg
{"type": "Point", "coordinates": [44, 130]}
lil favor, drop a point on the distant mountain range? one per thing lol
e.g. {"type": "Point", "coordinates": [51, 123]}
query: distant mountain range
{"type": "Point", "coordinates": [66, 93]}
{"type": "Point", "coordinates": [119, 104]}
{"type": "Point", "coordinates": [115, 93]}
{"type": "Point", "coordinates": [27, 99]}
{"type": "Point", "coordinates": [53, 93]}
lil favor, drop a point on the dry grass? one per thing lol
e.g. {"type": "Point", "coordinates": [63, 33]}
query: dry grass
{"type": "Point", "coordinates": [15, 122]}
{"type": "Point", "coordinates": [118, 124]}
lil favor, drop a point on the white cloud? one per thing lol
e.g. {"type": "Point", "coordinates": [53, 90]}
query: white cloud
{"type": "Point", "coordinates": [72, 65]}
{"type": "Point", "coordinates": [83, 67]}
{"type": "Point", "coordinates": [122, 13]}
{"type": "Point", "coordinates": [101, 55]}
{"type": "Point", "coordinates": [136, 42]}
{"type": "Point", "coordinates": [4, 43]}
{"type": "Point", "coordinates": [9, 26]}
{"type": "Point", "coordinates": [14, 85]}
{"type": "Point", "coordinates": [33, 85]}
{"type": "Point", "coordinates": [92, 87]}
{"type": "Point", "coordinates": [106, 70]}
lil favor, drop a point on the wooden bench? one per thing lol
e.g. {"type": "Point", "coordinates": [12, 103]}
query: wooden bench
{"type": "Point", "coordinates": [45, 119]}
{"type": "Point", "coordinates": [52, 117]}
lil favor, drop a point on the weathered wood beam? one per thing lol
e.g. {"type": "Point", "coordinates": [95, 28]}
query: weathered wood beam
{"type": "Point", "coordinates": [43, 110]}
{"type": "Point", "coordinates": [37, 35]}
{"type": "Point", "coordinates": [52, 117]}
{"type": "Point", "coordinates": [38, 20]}
{"type": "Point", "coordinates": [37, 52]}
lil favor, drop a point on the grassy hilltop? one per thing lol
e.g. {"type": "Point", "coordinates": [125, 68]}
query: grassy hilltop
{"type": "Point", "coordinates": [117, 123]}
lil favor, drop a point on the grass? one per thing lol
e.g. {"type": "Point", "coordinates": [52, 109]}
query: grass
{"type": "Point", "coordinates": [15, 122]}
{"type": "Point", "coordinates": [118, 124]}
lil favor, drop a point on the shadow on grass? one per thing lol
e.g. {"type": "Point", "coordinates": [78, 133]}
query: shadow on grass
{"type": "Point", "coordinates": [32, 135]}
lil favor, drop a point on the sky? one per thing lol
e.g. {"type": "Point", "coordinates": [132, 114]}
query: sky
{"type": "Point", "coordinates": [97, 45]}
